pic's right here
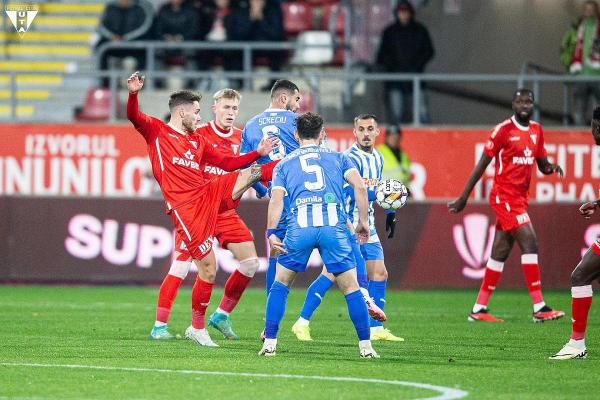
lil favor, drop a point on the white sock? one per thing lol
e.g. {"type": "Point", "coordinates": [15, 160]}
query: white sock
{"type": "Point", "coordinates": [538, 306]}
{"type": "Point", "coordinates": [303, 322]}
{"type": "Point", "coordinates": [580, 344]}
{"type": "Point", "coordinates": [365, 293]}
{"type": "Point", "coordinates": [478, 307]}
{"type": "Point", "coordinates": [271, 342]}
{"type": "Point", "coordinates": [365, 345]}
{"type": "Point", "coordinates": [219, 310]}
{"type": "Point", "coordinates": [375, 329]}
{"type": "Point", "coordinates": [158, 324]}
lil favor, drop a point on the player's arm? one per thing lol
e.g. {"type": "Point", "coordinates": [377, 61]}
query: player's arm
{"type": "Point", "coordinates": [362, 203]}
{"type": "Point", "coordinates": [226, 162]}
{"type": "Point", "coordinates": [143, 123]}
{"type": "Point", "coordinates": [547, 168]}
{"type": "Point", "coordinates": [587, 209]}
{"type": "Point", "coordinates": [459, 204]}
{"type": "Point", "coordinates": [273, 216]}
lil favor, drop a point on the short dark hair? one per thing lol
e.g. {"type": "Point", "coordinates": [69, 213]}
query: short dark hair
{"type": "Point", "coordinates": [283, 85]}
{"type": "Point", "coordinates": [522, 91]}
{"type": "Point", "coordinates": [183, 97]}
{"type": "Point", "coordinates": [309, 125]}
{"type": "Point", "coordinates": [362, 117]}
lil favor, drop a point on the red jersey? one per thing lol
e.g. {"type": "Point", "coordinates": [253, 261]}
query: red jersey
{"type": "Point", "coordinates": [176, 157]}
{"type": "Point", "coordinates": [516, 148]}
{"type": "Point", "coordinates": [226, 141]}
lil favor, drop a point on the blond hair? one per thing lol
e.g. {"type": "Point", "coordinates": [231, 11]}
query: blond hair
{"type": "Point", "coordinates": [227, 94]}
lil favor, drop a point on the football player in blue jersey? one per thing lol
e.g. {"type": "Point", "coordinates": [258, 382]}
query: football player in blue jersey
{"type": "Point", "coordinates": [278, 120]}
{"type": "Point", "coordinates": [369, 163]}
{"type": "Point", "coordinates": [316, 220]}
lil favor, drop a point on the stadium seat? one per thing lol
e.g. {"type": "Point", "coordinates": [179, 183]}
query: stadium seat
{"type": "Point", "coordinates": [96, 106]}
{"type": "Point", "coordinates": [333, 17]}
{"type": "Point", "coordinates": [313, 56]}
{"type": "Point", "coordinates": [297, 18]}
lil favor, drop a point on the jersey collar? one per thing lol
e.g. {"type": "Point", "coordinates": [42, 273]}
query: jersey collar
{"type": "Point", "coordinates": [275, 109]}
{"type": "Point", "coordinates": [355, 145]}
{"type": "Point", "coordinates": [217, 130]}
{"type": "Point", "coordinates": [519, 126]}
{"type": "Point", "coordinates": [176, 130]}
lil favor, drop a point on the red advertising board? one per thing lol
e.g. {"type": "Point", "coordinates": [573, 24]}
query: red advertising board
{"type": "Point", "coordinates": [110, 160]}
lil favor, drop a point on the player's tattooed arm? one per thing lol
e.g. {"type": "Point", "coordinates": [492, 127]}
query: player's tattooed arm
{"type": "Point", "coordinates": [459, 204]}
{"type": "Point", "coordinates": [255, 173]}
{"type": "Point", "coordinates": [547, 168]}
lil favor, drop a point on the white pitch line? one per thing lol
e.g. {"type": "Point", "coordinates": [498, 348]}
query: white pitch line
{"type": "Point", "coordinates": [446, 393]}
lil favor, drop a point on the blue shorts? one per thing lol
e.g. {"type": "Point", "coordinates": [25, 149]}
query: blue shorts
{"type": "Point", "coordinates": [372, 251]}
{"type": "Point", "coordinates": [331, 241]}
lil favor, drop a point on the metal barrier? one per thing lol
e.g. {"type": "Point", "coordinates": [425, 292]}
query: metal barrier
{"type": "Point", "coordinates": [314, 78]}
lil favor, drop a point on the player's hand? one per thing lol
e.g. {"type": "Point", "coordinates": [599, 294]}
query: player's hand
{"type": "Point", "coordinates": [457, 205]}
{"type": "Point", "coordinates": [277, 245]}
{"type": "Point", "coordinates": [267, 145]}
{"type": "Point", "coordinates": [587, 209]}
{"type": "Point", "coordinates": [362, 232]}
{"type": "Point", "coordinates": [390, 224]}
{"type": "Point", "coordinates": [557, 170]}
{"type": "Point", "coordinates": [135, 83]}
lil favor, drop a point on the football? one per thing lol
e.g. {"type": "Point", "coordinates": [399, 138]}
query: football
{"type": "Point", "coordinates": [391, 194]}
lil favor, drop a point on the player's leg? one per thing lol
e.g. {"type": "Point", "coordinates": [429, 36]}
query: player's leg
{"type": "Point", "coordinates": [527, 240]}
{"type": "Point", "coordinates": [503, 242]}
{"type": "Point", "coordinates": [235, 286]}
{"type": "Point", "coordinates": [201, 292]}
{"type": "Point", "coordinates": [377, 272]}
{"type": "Point", "coordinates": [314, 295]}
{"type": "Point", "coordinates": [180, 267]}
{"type": "Point", "coordinates": [582, 277]}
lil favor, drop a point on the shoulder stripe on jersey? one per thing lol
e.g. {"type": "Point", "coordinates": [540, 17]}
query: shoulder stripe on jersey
{"type": "Point", "coordinates": [497, 127]}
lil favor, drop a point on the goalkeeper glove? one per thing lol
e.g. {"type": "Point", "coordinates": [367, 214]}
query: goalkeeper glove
{"type": "Point", "coordinates": [390, 223]}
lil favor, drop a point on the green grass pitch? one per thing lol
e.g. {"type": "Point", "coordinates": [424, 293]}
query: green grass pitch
{"type": "Point", "coordinates": [57, 328]}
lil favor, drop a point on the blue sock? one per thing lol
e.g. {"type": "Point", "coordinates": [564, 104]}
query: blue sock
{"type": "Point", "coordinates": [359, 314]}
{"type": "Point", "coordinates": [377, 292]}
{"type": "Point", "coordinates": [314, 294]}
{"type": "Point", "coordinates": [275, 308]}
{"type": "Point", "coordinates": [270, 275]}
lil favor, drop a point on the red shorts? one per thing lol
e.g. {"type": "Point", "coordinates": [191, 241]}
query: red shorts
{"type": "Point", "coordinates": [195, 221]}
{"type": "Point", "coordinates": [510, 215]}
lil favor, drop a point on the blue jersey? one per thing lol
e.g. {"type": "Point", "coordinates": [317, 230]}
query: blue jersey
{"type": "Point", "coordinates": [272, 122]}
{"type": "Point", "coordinates": [369, 166]}
{"type": "Point", "coordinates": [313, 179]}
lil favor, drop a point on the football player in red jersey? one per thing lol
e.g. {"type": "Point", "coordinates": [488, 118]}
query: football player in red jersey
{"type": "Point", "coordinates": [231, 232]}
{"type": "Point", "coordinates": [517, 144]}
{"type": "Point", "coordinates": [192, 200]}
{"type": "Point", "coordinates": [582, 277]}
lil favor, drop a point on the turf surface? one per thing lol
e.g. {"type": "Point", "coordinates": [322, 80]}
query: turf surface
{"type": "Point", "coordinates": [108, 328]}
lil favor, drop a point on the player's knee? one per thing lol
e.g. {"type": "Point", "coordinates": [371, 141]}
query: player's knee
{"type": "Point", "coordinates": [180, 269]}
{"type": "Point", "coordinates": [249, 266]}
{"type": "Point", "coordinates": [380, 275]}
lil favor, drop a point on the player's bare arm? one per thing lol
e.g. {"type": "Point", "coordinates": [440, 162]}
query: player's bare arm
{"type": "Point", "coordinates": [547, 168]}
{"type": "Point", "coordinates": [273, 216]}
{"type": "Point", "coordinates": [135, 82]}
{"type": "Point", "coordinates": [361, 231]}
{"type": "Point", "coordinates": [459, 204]}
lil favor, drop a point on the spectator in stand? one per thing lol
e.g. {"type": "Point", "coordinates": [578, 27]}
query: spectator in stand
{"type": "Point", "coordinates": [586, 61]}
{"type": "Point", "coordinates": [125, 21]}
{"type": "Point", "coordinates": [176, 21]}
{"type": "Point", "coordinates": [405, 47]}
{"type": "Point", "coordinates": [258, 20]}
{"type": "Point", "coordinates": [396, 164]}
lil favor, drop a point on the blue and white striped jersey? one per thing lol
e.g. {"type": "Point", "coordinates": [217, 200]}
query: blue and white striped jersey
{"type": "Point", "coordinates": [369, 166]}
{"type": "Point", "coordinates": [313, 179]}
{"type": "Point", "coordinates": [271, 122]}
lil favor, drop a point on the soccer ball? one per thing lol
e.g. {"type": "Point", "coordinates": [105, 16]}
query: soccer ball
{"type": "Point", "coordinates": [391, 194]}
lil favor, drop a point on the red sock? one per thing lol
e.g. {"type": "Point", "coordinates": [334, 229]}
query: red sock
{"type": "Point", "coordinates": [531, 270]}
{"type": "Point", "coordinates": [200, 298]}
{"type": "Point", "coordinates": [166, 297]}
{"type": "Point", "coordinates": [266, 170]}
{"type": "Point", "coordinates": [234, 287]}
{"type": "Point", "coordinates": [493, 272]}
{"type": "Point", "coordinates": [580, 307]}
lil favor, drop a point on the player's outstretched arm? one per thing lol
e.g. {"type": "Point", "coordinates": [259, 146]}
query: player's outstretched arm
{"type": "Point", "coordinates": [273, 216]}
{"type": "Point", "coordinates": [142, 122]}
{"type": "Point", "coordinates": [362, 230]}
{"type": "Point", "coordinates": [212, 155]}
{"type": "Point", "coordinates": [459, 204]}
{"type": "Point", "coordinates": [547, 168]}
